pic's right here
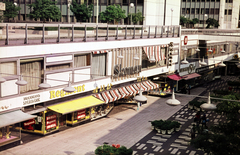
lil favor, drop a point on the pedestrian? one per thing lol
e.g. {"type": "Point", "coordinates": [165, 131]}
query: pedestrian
{"type": "Point", "coordinates": [193, 132]}
{"type": "Point", "coordinates": [204, 120]}
{"type": "Point", "coordinates": [197, 118]}
{"type": "Point", "coordinates": [189, 87]}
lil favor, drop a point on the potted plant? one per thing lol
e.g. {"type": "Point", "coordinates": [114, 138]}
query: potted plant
{"type": "Point", "coordinates": [190, 104]}
{"type": "Point", "coordinates": [176, 125]}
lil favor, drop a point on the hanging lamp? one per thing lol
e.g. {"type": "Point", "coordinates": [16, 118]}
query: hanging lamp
{"type": "Point", "coordinates": [203, 62]}
{"type": "Point", "coordinates": [208, 105]}
{"type": "Point", "coordinates": [173, 101]}
{"type": "Point", "coordinates": [21, 82]}
{"type": "Point", "coordinates": [222, 64]}
{"type": "Point", "coordinates": [44, 85]}
{"type": "Point", "coordinates": [185, 61]}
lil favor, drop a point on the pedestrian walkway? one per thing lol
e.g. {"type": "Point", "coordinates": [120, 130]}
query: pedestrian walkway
{"type": "Point", "coordinates": [126, 128]}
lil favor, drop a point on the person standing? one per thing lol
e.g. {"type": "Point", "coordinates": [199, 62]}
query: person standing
{"type": "Point", "coordinates": [204, 120]}
{"type": "Point", "coordinates": [193, 132]}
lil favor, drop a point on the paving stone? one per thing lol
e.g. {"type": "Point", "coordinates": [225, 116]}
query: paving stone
{"type": "Point", "coordinates": [161, 150]}
{"type": "Point", "coordinates": [144, 148]}
{"type": "Point", "coordinates": [192, 153]}
{"type": "Point", "coordinates": [159, 138]}
{"type": "Point", "coordinates": [170, 149]}
{"type": "Point", "coordinates": [179, 146]}
{"type": "Point", "coordinates": [174, 151]}
{"type": "Point", "coordinates": [157, 149]}
{"type": "Point", "coordinates": [141, 146]}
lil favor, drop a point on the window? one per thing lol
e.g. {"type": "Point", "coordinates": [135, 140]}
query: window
{"type": "Point", "coordinates": [9, 68]}
{"type": "Point", "coordinates": [98, 68]}
{"type": "Point", "coordinates": [212, 11]}
{"type": "Point", "coordinates": [192, 11]}
{"type": "Point", "coordinates": [216, 11]}
{"type": "Point", "coordinates": [197, 11]}
{"type": "Point", "coordinates": [188, 11]}
{"type": "Point", "coordinates": [183, 10]}
{"type": "Point", "coordinates": [32, 71]}
{"type": "Point", "coordinates": [229, 12]}
{"type": "Point", "coordinates": [207, 11]}
{"type": "Point", "coordinates": [58, 67]}
{"type": "Point", "coordinates": [81, 60]}
{"type": "Point", "coordinates": [202, 11]}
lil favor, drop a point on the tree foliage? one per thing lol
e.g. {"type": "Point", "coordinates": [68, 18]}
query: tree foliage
{"type": "Point", "coordinates": [184, 21]}
{"type": "Point", "coordinates": [112, 13]}
{"type": "Point", "coordinates": [212, 22]}
{"type": "Point", "coordinates": [11, 10]}
{"type": "Point", "coordinates": [223, 138]}
{"type": "Point", "coordinates": [136, 17]}
{"type": "Point", "coordinates": [82, 12]}
{"type": "Point", "coordinates": [44, 9]}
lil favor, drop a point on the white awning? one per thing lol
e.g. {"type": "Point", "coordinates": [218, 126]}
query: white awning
{"type": "Point", "coordinates": [13, 117]}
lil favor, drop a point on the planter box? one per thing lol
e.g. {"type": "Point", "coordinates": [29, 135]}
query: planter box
{"type": "Point", "coordinates": [190, 106]}
{"type": "Point", "coordinates": [170, 131]}
{"type": "Point", "coordinates": [152, 127]}
{"type": "Point", "coordinates": [164, 131]}
{"type": "Point", "coordinates": [178, 129]}
{"type": "Point", "coordinates": [158, 130]}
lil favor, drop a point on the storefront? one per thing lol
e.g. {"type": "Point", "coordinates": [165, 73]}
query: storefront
{"type": "Point", "coordinates": [8, 134]}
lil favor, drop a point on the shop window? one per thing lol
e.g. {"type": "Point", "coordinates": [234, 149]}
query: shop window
{"type": "Point", "coordinates": [32, 71]}
{"type": "Point", "coordinates": [98, 68]}
{"type": "Point", "coordinates": [58, 67]}
{"type": "Point", "coordinates": [81, 60]}
{"type": "Point", "coordinates": [8, 68]}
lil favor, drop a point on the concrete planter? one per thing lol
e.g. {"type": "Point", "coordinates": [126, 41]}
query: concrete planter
{"type": "Point", "coordinates": [190, 106]}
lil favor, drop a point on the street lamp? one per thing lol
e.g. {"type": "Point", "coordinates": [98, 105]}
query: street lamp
{"type": "Point", "coordinates": [69, 3]}
{"type": "Point", "coordinates": [171, 15]}
{"type": "Point", "coordinates": [131, 6]}
{"type": "Point", "coordinates": [205, 20]}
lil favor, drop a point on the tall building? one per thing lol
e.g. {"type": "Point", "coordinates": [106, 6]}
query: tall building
{"type": "Point", "coordinates": [156, 12]}
{"type": "Point", "coordinates": [226, 12]}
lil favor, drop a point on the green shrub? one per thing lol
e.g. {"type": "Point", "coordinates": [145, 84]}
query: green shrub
{"type": "Point", "coordinates": [196, 103]}
{"type": "Point", "coordinates": [233, 83]}
{"type": "Point", "coordinates": [221, 92]}
{"type": "Point", "coordinates": [47, 28]}
{"type": "Point", "coordinates": [112, 150]}
{"type": "Point", "coordinates": [165, 125]}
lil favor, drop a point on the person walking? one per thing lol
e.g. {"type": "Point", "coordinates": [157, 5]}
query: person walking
{"type": "Point", "coordinates": [197, 118]}
{"type": "Point", "coordinates": [193, 132]}
{"type": "Point", "coordinates": [204, 120]}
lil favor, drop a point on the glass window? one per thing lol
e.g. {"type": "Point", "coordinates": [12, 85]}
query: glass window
{"type": "Point", "coordinates": [188, 11]}
{"type": "Point", "coordinates": [32, 72]}
{"type": "Point", "coordinates": [193, 11]}
{"type": "Point", "coordinates": [202, 11]}
{"type": "Point", "coordinates": [98, 68]}
{"type": "Point", "coordinates": [81, 60]}
{"type": "Point", "coordinates": [216, 11]}
{"type": "Point", "coordinates": [183, 10]}
{"type": "Point", "coordinates": [57, 67]}
{"type": "Point", "coordinates": [197, 11]}
{"type": "Point", "coordinates": [212, 11]}
{"type": "Point", "coordinates": [207, 11]}
{"type": "Point", "coordinates": [8, 68]}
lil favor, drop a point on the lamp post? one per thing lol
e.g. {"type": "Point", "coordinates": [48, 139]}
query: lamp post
{"type": "Point", "coordinates": [131, 6]}
{"type": "Point", "coordinates": [171, 15]}
{"type": "Point", "coordinates": [15, 6]}
{"type": "Point", "coordinates": [97, 14]}
{"type": "Point", "coordinates": [205, 20]}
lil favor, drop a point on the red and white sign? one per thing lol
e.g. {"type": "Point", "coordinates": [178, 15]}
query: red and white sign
{"type": "Point", "coordinates": [30, 122]}
{"type": "Point", "coordinates": [51, 121]}
{"type": "Point", "coordinates": [81, 114]}
{"type": "Point", "coordinates": [185, 40]}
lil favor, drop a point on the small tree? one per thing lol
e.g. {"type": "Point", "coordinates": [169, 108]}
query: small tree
{"type": "Point", "coordinates": [112, 13]}
{"type": "Point", "coordinates": [44, 9]}
{"type": "Point", "coordinates": [82, 12]}
{"type": "Point", "coordinates": [136, 17]}
{"type": "Point", "coordinates": [183, 20]}
{"type": "Point", "coordinates": [11, 10]}
{"type": "Point", "coordinates": [194, 21]}
{"type": "Point", "coordinates": [212, 22]}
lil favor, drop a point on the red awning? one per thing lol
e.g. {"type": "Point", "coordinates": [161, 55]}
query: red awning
{"type": "Point", "coordinates": [175, 77]}
{"type": "Point", "coordinates": [190, 76]}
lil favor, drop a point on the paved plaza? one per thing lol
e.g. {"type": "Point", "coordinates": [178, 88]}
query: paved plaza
{"type": "Point", "coordinates": [126, 126]}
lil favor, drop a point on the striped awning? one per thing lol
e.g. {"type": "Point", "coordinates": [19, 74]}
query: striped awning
{"type": "Point", "coordinates": [136, 87]}
{"type": "Point", "coordinates": [124, 92]}
{"type": "Point", "coordinates": [99, 96]}
{"type": "Point", "coordinates": [145, 83]}
{"type": "Point", "coordinates": [99, 52]}
{"type": "Point", "coordinates": [133, 89]}
{"type": "Point", "coordinates": [158, 56]}
{"type": "Point", "coordinates": [107, 97]}
{"type": "Point", "coordinates": [147, 51]}
{"type": "Point", "coordinates": [115, 96]}
{"type": "Point", "coordinates": [144, 88]}
{"type": "Point", "coordinates": [129, 90]}
{"type": "Point", "coordinates": [154, 84]}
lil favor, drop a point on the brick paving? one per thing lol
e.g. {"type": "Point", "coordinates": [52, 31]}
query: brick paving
{"type": "Point", "coordinates": [125, 126]}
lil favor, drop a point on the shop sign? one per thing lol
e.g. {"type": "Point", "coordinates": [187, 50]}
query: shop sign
{"type": "Point", "coordinates": [30, 122]}
{"type": "Point", "coordinates": [81, 114]}
{"type": "Point", "coordinates": [119, 71]}
{"type": "Point", "coordinates": [61, 93]}
{"type": "Point", "coordinates": [103, 88]}
{"type": "Point", "coordinates": [204, 68]}
{"type": "Point", "coordinates": [31, 99]}
{"type": "Point", "coordinates": [190, 69]}
{"type": "Point", "coordinates": [51, 121]}
{"type": "Point", "coordinates": [185, 40]}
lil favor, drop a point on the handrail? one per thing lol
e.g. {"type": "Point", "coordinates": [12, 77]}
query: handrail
{"type": "Point", "coordinates": [30, 32]}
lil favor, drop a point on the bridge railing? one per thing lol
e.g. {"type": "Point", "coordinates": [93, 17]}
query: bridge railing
{"type": "Point", "coordinates": [223, 32]}
{"type": "Point", "coordinates": [32, 33]}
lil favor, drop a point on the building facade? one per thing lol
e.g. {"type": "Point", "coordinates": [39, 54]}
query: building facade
{"type": "Point", "coordinates": [156, 12]}
{"type": "Point", "coordinates": [226, 12]}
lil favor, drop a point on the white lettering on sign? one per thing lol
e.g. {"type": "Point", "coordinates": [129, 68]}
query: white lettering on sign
{"type": "Point", "coordinates": [51, 126]}
{"type": "Point", "coordinates": [29, 123]}
{"type": "Point", "coordinates": [31, 99]}
{"type": "Point", "coordinates": [51, 117]}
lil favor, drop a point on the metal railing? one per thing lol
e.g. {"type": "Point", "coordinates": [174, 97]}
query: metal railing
{"type": "Point", "coordinates": [31, 33]}
{"type": "Point", "coordinates": [225, 32]}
